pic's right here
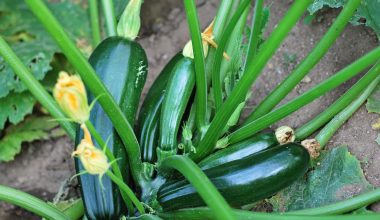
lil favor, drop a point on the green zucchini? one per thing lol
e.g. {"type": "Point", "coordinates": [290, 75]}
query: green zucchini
{"type": "Point", "coordinates": [243, 181]}
{"type": "Point", "coordinates": [178, 92]}
{"type": "Point", "coordinates": [240, 150]}
{"type": "Point", "coordinates": [122, 66]}
{"type": "Point", "coordinates": [150, 112]}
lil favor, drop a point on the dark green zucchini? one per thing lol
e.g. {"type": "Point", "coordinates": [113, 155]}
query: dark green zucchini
{"type": "Point", "coordinates": [122, 66]}
{"type": "Point", "coordinates": [239, 150]}
{"type": "Point", "coordinates": [244, 181]}
{"type": "Point", "coordinates": [178, 92]}
{"type": "Point", "coordinates": [149, 116]}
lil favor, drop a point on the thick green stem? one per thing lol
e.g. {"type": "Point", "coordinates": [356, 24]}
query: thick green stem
{"type": "Point", "coordinates": [221, 118]}
{"type": "Point", "coordinates": [75, 210]}
{"type": "Point", "coordinates": [35, 87]}
{"type": "Point", "coordinates": [127, 190]}
{"type": "Point", "coordinates": [111, 157]}
{"type": "Point", "coordinates": [309, 128]}
{"type": "Point", "coordinates": [255, 32]}
{"type": "Point", "coordinates": [206, 214]}
{"type": "Point", "coordinates": [215, 75]}
{"type": "Point", "coordinates": [31, 203]}
{"type": "Point", "coordinates": [208, 192]}
{"type": "Point", "coordinates": [200, 76]}
{"type": "Point", "coordinates": [292, 106]}
{"type": "Point", "coordinates": [95, 25]}
{"type": "Point", "coordinates": [93, 83]}
{"type": "Point", "coordinates": [329, 130]}
{"type": "Point", "coordinates": [109, 17]}
{"type": "Point", "coordinates": [345, 206]}
{"type": "Point", "coordinates": [282, 90]}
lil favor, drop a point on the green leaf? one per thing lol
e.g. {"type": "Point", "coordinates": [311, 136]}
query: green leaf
{"type": "Point", "coordinates": [373, 103]}
{"type": "Point", "coordinates": [337, 177]}
{"type": "Point", "coordinates": [35, 48]}
{"type": "Point", "coordinates": [369, 11]}
{"type": "Point", "coordinates": [33, 128]}
{"type": "Point", "coordinates": [14, 107]}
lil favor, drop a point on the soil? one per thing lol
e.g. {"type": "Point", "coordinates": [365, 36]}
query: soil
{"type": "Point", "coordinates": [42, 167]}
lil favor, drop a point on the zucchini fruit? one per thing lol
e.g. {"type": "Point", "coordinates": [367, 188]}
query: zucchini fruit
{"type": "Point", "coordinates": [122, 66]}
{"type": "Point", "coordinates": [240, 150]}
{"type": "Point", "coordinates": [178, 92]}
{"type": "Point", "coordinates": [150, 112]}
{"type": "Point", "coordinates": [243, 181]}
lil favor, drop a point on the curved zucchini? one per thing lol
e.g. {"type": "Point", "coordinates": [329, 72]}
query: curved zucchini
{"type": "Point", "coordinates": [122, 66]}
{"type": "Point", "coordinates": [178, 92]}
{"type": "Point", "coordinates": [244, 181]}
{"type": "Point", "coordinates": [149, 115]}
{"type": "Point", "coordinates": [240, 150]}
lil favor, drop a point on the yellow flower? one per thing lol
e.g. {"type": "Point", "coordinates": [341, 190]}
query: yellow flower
{"type": "Point", "coordinates": [207, 39]}
{"type": "Point", "coordinates": [71, 96]}
{"type": "Point", "coordinates": [93, 159]}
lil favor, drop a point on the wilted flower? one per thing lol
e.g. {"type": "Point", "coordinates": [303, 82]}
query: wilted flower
{"type": "Point", "coordinates": [93, 159]}
{"type": "Point", "coordinates": [71, 96]}
{"type": "Point", "coordinates": [207, 39]}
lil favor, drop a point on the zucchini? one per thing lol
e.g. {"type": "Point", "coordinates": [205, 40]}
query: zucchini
{"type": "Point", "coordinates": [178, 92]}
{"type": "Point", "coordinates": [122, 66]}
{"type": "Point", "coordinates": [240, 150]}
{"type": "Point", "coordinates": [243, 181]}
{"type": "Point", "coordinates": [149, 115]}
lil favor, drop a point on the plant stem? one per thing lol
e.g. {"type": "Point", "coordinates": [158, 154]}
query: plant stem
{"type": "Point", "coordinates": [282, 90]}
{"type": "Point", "coordinates": [327, 85]}
{"type": "Point", "coordinates": [221, 118]}
{"type": "Point", "coordinates": [255, 32]}
{"type": "Point", "coordinates": [31, 203]}
{"type": "Point", "coordinates": [95, 27]}
{"type": "Point", "coordinates": [329, 130]}
{"type": "Point", "coordinates": [35, 87]}
{"type": "Point", "coordinates": [215, 74]}
{"type": "Point", "coordinates": [110, 18]}
{"type": "Point", "coordinates": [127, 190]}
{"type": "Point", "coordinates": [202, 184]}
{"type": "Point", "coordinates": [207, 214]}
{"type": "Point", "coordinates": [76, 210]}
{"type": "Point", "coordinates": [221, 18]}
{"type": "Point", "coordinates": [345, 206]}
{"type": "Point", "coordinates": [94, 84]}
{"type": "Point", "coordinates": [115, 168]}
{"type": "Point", "coordinates": [200, 76]}
{"type": "Point", "coordinates": [309, 128]}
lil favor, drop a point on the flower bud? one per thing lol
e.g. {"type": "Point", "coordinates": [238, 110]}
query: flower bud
{"type": "Point", "coordinates": [129, 23]}
{"type": "Point", "coordinates": [93, 159]}
{"type": "Point", "coordinates": [71, 96]}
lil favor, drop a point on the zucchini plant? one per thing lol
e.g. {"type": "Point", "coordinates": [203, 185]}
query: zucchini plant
{"type": "Point", "coordinates": [184, 154]}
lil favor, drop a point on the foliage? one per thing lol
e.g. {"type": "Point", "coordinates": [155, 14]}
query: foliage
{"type": "Point", "coordinates": [33, 128]}
{"type": "Point", "coordinates": [367, 14]}
{"type": "Point", "coordinates": [335, 177]}
{"type": "Point", "coordinates": [35, 48]}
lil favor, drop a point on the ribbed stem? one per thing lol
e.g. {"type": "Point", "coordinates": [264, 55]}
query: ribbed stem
{"type": "Point", "coordinates": [317, 91]}
{"type": "Point", "coordinates": [205, 188]}
{"type": "Point", "coordinates": [109, 17]}
{"type": "Point", "coordinates": [31, 203]}
{"type": "Point", "coordinates": [255, 33]}
{"type": "Point", "coordinates": [329, 130]}
{"type": "Point", "coordinates": [221, 118]}
{"type": "Point", "coordinates": [93, 83]}
{"type": "Point", "coordinates": [282, 90]}
{"type": "Point", "coordinates": [35, 87]}
{"type": "Point", "coordinates": [200, 76]}
{"type": "Point", "coordinates": [95, 24]}
{"type": "Point", "coordinates": [216, 76]}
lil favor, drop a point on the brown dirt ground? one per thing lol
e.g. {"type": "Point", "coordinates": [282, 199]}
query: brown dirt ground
{"type": "Point", "coordinates": [42, 166]}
